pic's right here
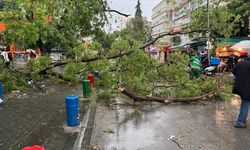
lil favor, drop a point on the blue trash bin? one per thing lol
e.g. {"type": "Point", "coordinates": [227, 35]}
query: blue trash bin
{"type": "Point", "coordinates": [215, 61]}
{"type": "Point", "coordinates": [72, 110]}
{"type": "Point", "coordinates": [1, 90]}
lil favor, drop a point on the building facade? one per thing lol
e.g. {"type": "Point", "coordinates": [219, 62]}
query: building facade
{"type": "Point", "coordinates": [161, 19]}
{"type": "Point", "coordinates": [180, 19]}
{"type": "Point", "coordinates": [173, 16]}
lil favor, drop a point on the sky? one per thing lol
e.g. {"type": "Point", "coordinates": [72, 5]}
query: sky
{"type": "Point", "coordinates": [128, 7]}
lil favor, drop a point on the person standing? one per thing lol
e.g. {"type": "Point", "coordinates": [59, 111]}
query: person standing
{"type": "Point", "coordinates": [204, 59]}
{"type": "Point", "coordinates": [242, 88]}
{"type": "Point", "coordinates": [221, 67]}
{"type": "Point", "coordinates": [195, 67]}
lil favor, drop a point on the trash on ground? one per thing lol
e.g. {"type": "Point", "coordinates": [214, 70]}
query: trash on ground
{"type": "Point", "coordinates": [174, 139]}
{"type": "Point", "coordinates": [109, 131]}
{"type": "Point", "coordinates": [94, 147]}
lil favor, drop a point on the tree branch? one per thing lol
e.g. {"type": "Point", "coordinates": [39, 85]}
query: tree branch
{"type": "Point", "coordinates": [168, 100]}
{"type": "Point", "coordinates": [144, 98]}
{"type": "Point", "coordinates": [53, 65]}
{"type": "Point", "coordinates": [111, 10]}
{"type": "Point", "coordinates": [115, 11]}
{"type": "Point", "coordinates": [29, 76]}
{"type": "Point", "coordinates": [121, 54]}
{"type": "Point", "coordinates": [171, 33]}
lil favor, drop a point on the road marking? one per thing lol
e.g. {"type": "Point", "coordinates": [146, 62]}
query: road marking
{"type": "Point", "coordinates": [80, 136]}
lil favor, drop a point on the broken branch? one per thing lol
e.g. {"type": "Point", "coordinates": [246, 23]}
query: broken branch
{"type": "Point", "coordinates": [173, 139]}
{"type": "Point", "coordinates": [111, 10]}
{"type": "Point", "coordinates": [53, 65]}
{"type": "Point", "coordinates": [144, 98]}
{"type": "Point", "coordinates": [115, 11]}
{"type": "Point", "coordinates": [170, 33]}
{"type": "Point", "coordinates": [29, 76]}
{"type": "Point", "coordinates": [168, 100]}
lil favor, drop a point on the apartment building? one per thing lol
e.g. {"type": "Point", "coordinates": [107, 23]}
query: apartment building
{"type": "Point", "coordinates": [161, 19]}
{"type": "Point", "coordinates": [180, 18]}
{"type": "Point", "coordinates": [169, 16]}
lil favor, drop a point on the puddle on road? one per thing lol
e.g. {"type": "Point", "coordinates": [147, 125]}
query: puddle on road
{"type": "Point", "coordinates": [133, 128]}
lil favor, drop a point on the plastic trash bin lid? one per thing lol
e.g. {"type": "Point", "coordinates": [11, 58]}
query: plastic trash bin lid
{"type": "Point", "coordinates": [35, 147]}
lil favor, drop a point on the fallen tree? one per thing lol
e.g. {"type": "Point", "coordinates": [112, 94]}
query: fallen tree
{"type": "Point", "coordinates": [85, 60]}
{"type": "Point", "coordinates": [123, 60]}
{"type": "Point", "coordinates": [166, 100]}
{"type": "Point", "coordinates": [120, 54]}
{"type": "Point", "coordinates": [144, 71]}
{"type": "Point", "coordinates": [205, 96]}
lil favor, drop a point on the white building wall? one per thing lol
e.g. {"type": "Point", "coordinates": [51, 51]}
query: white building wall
{"type": "Point", "coordinates": [169, 16]}
{"type": "Point", "coordinates": [161, 19]}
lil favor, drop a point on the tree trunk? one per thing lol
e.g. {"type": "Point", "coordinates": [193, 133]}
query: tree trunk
{"type": "Point", "coordinates": [168, 100]}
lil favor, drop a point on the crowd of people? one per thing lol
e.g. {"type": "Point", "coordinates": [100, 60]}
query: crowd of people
{"type": "Point", "coordinates": [240, 67]}
{"type": "Point", "coordinates": [201, 61]}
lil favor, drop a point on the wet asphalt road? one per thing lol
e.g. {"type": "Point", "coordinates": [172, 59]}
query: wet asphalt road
{"type": "Point", "coordinates": [199, 126]}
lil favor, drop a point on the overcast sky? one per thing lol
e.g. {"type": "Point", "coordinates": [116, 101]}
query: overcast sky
{"type": "Point", "coordinates": [128, 6]}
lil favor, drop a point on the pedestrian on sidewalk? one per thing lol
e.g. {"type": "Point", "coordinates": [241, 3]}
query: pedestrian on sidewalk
{"type": "Point", "coordinates": [242, 88]}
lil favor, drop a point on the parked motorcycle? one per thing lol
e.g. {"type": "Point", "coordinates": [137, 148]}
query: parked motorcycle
{"type": "Point", "coordinates": [211, 70]}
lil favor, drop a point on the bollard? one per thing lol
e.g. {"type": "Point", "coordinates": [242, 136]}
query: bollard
{"type": "Point", "coordinates": [72, 110]}
{"type": "Point", "coordinates": [86, 88]}
{"type": "Point", "coordinates": [91, 79]}
{"type": "Point", "coordinates": [1, 92]}
{"type": "Point", "coordinates": [35, 147]}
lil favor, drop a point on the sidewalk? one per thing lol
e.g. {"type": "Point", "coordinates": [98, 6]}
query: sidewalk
{"type": "Point", "coordinates": [38, 119]}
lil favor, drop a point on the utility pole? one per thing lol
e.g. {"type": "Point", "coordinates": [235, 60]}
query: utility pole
{"type": "Point", "coordinates": [208, 34]}
{"type": "Point", "coordinates": [208, 15]}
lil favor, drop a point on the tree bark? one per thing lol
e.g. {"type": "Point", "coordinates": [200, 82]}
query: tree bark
{"type": "Point", "coordinates": [168, 100]}
{"type": "Point", "coordinates": [144, 98]}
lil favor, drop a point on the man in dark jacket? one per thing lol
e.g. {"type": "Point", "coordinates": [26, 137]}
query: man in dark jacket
{"type": "Point", "coordinates": [242, 88]}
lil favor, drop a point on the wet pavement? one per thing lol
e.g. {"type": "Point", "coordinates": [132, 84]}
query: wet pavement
{"type": "Point", "coordinates": [200, 126]}
{"type": "Point", "coordinates": [37, 119]}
